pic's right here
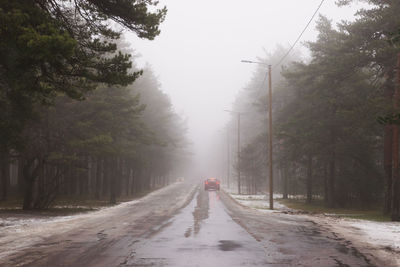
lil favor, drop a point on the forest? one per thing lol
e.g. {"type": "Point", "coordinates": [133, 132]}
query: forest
{"type": "Point", "coordinates": [335, 115]}
{"type": "Point", "coordinates": [78, 118]}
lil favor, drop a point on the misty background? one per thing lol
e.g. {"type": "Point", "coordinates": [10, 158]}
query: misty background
{"type": "Point", "coordinates": [197, 58]}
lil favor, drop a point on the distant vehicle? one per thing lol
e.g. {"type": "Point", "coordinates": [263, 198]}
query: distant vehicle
{"type": "Point", "coordinates": [211, 183]}
{"type": "Point", "coordinates": [180, 179]}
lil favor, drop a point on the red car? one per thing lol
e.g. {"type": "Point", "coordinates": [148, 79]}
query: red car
{"type": "Point", "coordinates": [211, 183]}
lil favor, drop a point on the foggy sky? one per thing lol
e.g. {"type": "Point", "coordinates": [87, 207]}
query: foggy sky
{"type": "Point", "coordinates": [197, 56]}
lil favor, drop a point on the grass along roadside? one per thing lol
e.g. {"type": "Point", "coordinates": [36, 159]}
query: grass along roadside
{"type": "Point", "coordinates": [318, 207]}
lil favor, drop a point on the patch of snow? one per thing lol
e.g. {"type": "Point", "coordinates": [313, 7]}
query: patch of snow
{"type": "Point", "coordinates": [260, 202]}
{"type": "Point", "coordinates": [75, 207]}
{"type": "Point", "coordinates": [380, 237]}
{"type": "Point", "coordinates": [375, 238]}
{"type": "Point", "coordinates": [19, 233]}
{"type": "Point", "coordinates": [385, 233]}
{"type": "Point", "coordinates": [264, 196]}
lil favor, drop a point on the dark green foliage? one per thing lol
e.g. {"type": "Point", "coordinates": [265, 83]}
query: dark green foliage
{"type": "Point", "coordinates": [328, 143]}
{"type": "Point", "coordinates": [115, 143]}
{"type": "Point", "coordinates": [335, 109]}
{"type": "Point", "coordinates": [252, 101]}
{"type": "Point", "coordinates": [51, 47]}
{"type": "Point", "coordinates": [54, 54]}
{"type": "Point", "coordinates": [41, 55]}
{"type": "Point", "coordinates": [389, 119]}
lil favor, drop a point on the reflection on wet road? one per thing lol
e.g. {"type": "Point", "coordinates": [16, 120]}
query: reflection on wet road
{"type": "Point", "coordinates": [202, 234]}
{"type": "Point", "coordinates": [181, 226]}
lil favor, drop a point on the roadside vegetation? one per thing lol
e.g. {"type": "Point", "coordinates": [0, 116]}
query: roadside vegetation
{"type": "Point", "coordinates": [335, 117]}
{"type": "Point", "coordinates": [299, 205]}
{"type": "Point", "coordinates": [78, 119]}
{"type": "Point", "coordinates": [319, 207]}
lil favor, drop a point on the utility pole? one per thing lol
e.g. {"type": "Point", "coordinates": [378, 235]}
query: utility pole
{"type": "Point", "coordinates": [395, 175]}
{"type": "Point", "coordinates": [270, 148]}
{"type": "Point", "coordinates": [238, 114]}
{"type": "Point", "coordinates": [228, 156]}
{"type": "Point", "coordinates": [271, 171]}
{"type": "Point", "coordinates": [238, 145]}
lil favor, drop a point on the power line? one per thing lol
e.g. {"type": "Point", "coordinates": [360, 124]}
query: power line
{"type": "Point", "coordinates": [291, 48]}
{"type": "Point", "coordinates": [301, 34]}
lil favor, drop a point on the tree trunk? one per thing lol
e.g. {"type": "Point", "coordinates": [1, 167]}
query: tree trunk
{"type": "Point", "coordinates": [326, 184]}
{"type": "Point", "coordinates": [395, 214]}
{"type": "Point", "coordinates": [387, 145]}
{"type": "Point", "coordinates": [112, 181]}
{"type": "Point", "coordinates": [105, 183]}
{"type": "Point", "coordinates": [309, 179]}
{"type": "Point", "coordinates": [331, 176]}
{"type": "Point", "coordinates": [20, 182]}
{"type": "Point", "coordinates": [28, 195]}
{"type": "Point", "coordinates": [118, 176]}
{"type": "Point", "coordinates": [128, 180]}
{"type": "Point", "coordinates": [387, 152]}
{"type": "Point", "coordinates": [331, 183]}
{"type": "Point", "coordinates": [98, 178]}
{"type": "Point", "coordinates": [5, 176]}
{"type": "Point", "coordinates": [285, 181]}
{"type": "Point", "coordinates": [135, 182]}
{"type": "Point", "coordinates": [30, 178]}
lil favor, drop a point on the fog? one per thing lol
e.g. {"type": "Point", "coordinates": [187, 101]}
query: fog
{"type": "Point", "coordinates": [139, 133]}
{"type": "Point", "coordinates": [197, 57]}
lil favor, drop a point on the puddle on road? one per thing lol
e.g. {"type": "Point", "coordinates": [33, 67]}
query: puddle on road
{"type": "Point", "coordinates": [228, 245]}
{"type": "Point", "coordinates": [188, 232]}
{"type": "Point", "coordinates": [200, 212]}
{"type": "Point", "coordinates": [101, 235]}
{"type": "Point", "coordinates": [202, 234]}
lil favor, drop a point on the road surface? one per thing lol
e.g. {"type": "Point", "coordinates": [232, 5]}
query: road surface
{"type": "Point", "coordinates": [181, 225]}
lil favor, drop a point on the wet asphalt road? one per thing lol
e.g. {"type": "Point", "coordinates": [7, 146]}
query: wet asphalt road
{"type": "Point", "coordinates": [213, 230]}
{"type": "Point", "coordinates": [101, 238]}
{"type": "Point", "coordinates": [202, 234]}
{"type": "Point", "coordinates": [182, 226]}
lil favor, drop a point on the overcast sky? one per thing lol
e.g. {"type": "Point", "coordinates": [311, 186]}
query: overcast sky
{"type": "Point", "coordinates": [197, 55]}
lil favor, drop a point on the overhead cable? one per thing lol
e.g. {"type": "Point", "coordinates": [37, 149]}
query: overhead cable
{"type": "Point", "coordinates": [301, 34]}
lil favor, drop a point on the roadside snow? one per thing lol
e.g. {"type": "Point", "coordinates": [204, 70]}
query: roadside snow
{"type": "Point", "coordinates": [381, 239]}
{"type": "Point", "coordinates": [19, 233]}
{"type": "Point", "coordinates": [385, 233]}
{"type": "Point", "coordinates": [259, 202]}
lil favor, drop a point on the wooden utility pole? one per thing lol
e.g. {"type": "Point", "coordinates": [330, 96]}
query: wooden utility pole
{"type": "Point", "coordinates": [238, 140]}
{"type": "Point", "coordinates": [228, 157]}
{"type": "Point", "coordinates": [271, 171]}
{"type": "Point", "coordinates": [238, 147]}
{"type": "Point", "coordinates": [395, 178]}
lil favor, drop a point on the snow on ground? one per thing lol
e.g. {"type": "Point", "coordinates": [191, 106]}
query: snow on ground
{"type": "Point", "coordinates": [260, 202]}
{"type": "Point", "coordinates": [384, 232]}
{"type": "Point", "coordinates": [376, 238]}
{"type": "Point", "coordinates": [17, 233]}
{"type": "Point", "coordinates": [381, 239]}
{"type": "Point", "coordinates": [387, 234]}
